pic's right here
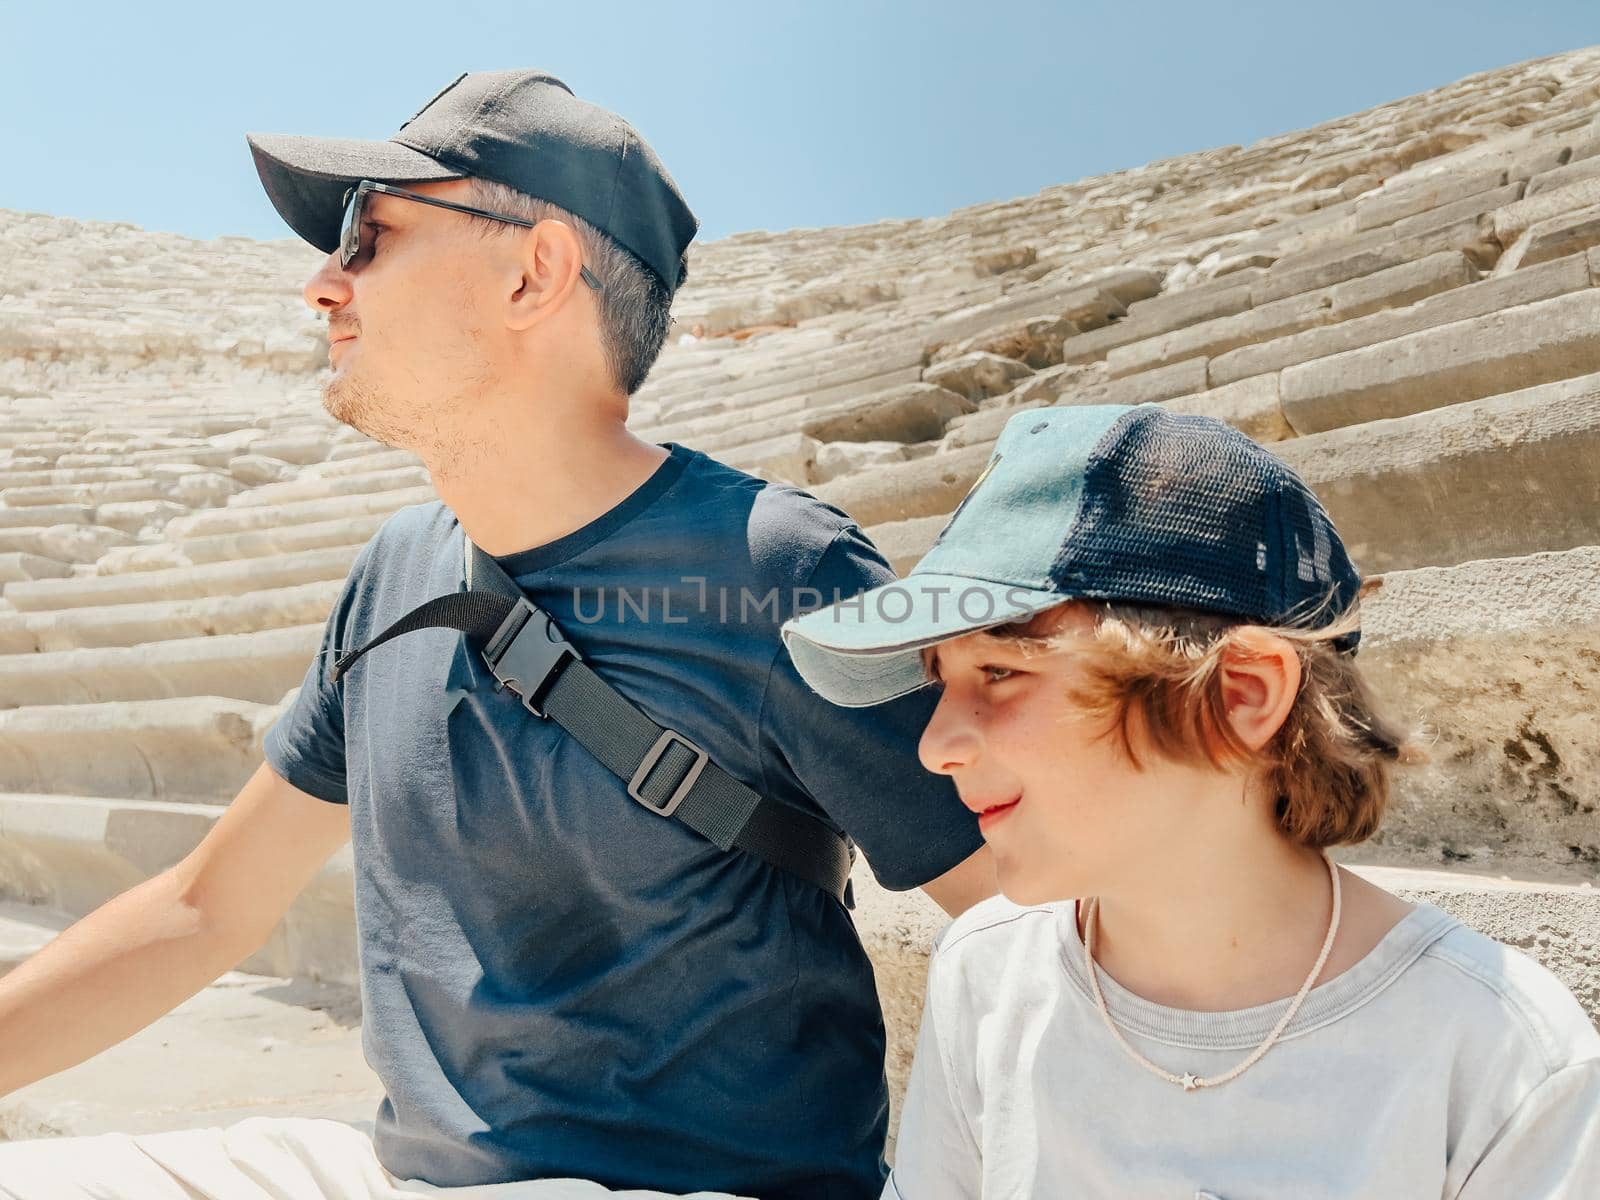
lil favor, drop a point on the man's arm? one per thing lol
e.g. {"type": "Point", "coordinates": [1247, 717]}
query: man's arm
{"type": "Point", "coordinates": [964, 884]}
{"type": "Point", "coordinates": [143, 953]}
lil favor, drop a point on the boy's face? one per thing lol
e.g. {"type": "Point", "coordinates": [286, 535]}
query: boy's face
{"type": "Point", "coordinates": [1060, 804]}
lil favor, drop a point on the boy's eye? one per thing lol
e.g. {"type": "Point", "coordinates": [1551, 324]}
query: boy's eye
{"type": "Point", "coordinates": [1005, 673]}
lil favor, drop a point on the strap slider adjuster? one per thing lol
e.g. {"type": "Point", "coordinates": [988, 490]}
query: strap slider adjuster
{"type": "Point", "coordinates": [668, 736]}
{"type": "Point", "coordinates": [527, 652]}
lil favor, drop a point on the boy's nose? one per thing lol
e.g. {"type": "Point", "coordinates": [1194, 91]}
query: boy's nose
{"type": "Point", "coordinates": [950, 740]}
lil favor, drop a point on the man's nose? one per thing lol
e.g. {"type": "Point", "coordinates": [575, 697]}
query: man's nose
{"type": "Point", "coordinates": [951, 739]}
{"type": "Point", "coordinates": [329, 288]}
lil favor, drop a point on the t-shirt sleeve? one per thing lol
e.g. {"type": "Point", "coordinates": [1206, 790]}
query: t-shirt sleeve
{"type": "Point", "coordinates": [937, 1156]}
{"type": "Point", "coordinates": [305, 745]}
{"type": "Point", "coordinates": [1549, 1148]}
{"type": "Point", "coordinates": [860, 765]}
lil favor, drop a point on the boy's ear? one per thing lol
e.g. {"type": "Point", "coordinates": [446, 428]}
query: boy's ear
{"type": "Point", "coordinates": [1260, 678]}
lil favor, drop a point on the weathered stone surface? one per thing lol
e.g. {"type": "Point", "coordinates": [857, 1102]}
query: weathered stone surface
{"type": "Point", "coordinates": [40, 515]}
{"type": "Point", "coordinates": [1159, 383]}
{"type": "Point", "coordinates": [913, 412]}
{"type": "Point", "coordinates": [1179, 310]}
{"type": "Point", "coordinates": [1576, 170]}
{"type": "Point", "coordinates": [197, 748]}
{"type": "Point", "coordinates": [1484, 356]}
{"type": "Point", "coordinates": [1035, 341]}
{"type": "Point", "coordinates": [787, 458]}
{"type": "Point", "coordinates": [1400, 286]}
{"type": "Point", "coordinates": [1251, 406]}
{"type": "Point", "coordinates": [1473, 300]}
{"type": "Point", "coordinates": [259, 666]}
{"type": "Point", "coordinates": [1484, 659]}
{"type": "Point", "coordinates": [219, 579]}
{"type": "Point", "coordinates": [15, 566]}
{"type": "Point", "coordinates": [904, 542]}
{"type": "Point", "coordinates": [1270, 320]}
{"type": "Point", "coordinates": [900, 490]}
{"type": "Point", "coordinates": [1494, 478]}
{"type": "Point", "coordinates": [835, 459]}
{"type": "Point", "coordinates": [133, 624]}
{"type": "Point", "coordinates": [1510, 221]}
{"type": "Point", "coordinates": [1552, 238]}
{"type": "Point", "coordinates": [1397, 200]}
{"type": "Point", "coordinates": [1388, 248]}
{"type": "Point", "coordinates": [255, 469]}
{"type": "Point", "coordinates": [976, 375]}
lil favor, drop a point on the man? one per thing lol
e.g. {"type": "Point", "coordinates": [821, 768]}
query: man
{"type": "Point", "coordinates": [556, 981]}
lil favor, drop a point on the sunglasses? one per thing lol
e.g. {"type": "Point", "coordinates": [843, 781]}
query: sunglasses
{"type": "Point", "coordinates": [355, 199]}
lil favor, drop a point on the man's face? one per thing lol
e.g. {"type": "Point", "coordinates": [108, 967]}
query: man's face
{"type": "Point", "coordinates": [408, 342]}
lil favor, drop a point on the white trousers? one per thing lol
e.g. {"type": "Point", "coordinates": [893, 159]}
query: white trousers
{"type": "Point", "coordinates": [258, 1158]}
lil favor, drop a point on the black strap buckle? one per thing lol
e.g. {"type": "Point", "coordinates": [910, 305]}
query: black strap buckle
{"type": "Point", "coordinates": [649, 761]}
{"type": "Point", "coordinates": [527, 652]}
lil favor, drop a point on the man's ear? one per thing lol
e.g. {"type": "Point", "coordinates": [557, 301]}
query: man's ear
{"type": "Point", "coordinates": [1260, 677]}
{"type": "Point", "coordinates": [543, 272]}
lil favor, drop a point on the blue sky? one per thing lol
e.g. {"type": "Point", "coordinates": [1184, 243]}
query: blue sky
{"type": "Point", "coordinates": [770, 116]}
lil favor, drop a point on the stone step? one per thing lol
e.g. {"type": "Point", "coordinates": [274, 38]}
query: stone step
{"type": "Point", "coordinates": [137, 624]}
{"type": "Point", "coordinates": [1493, 478]}
{"type": "Point", "coordinates": [16, 565]}
{"type": "Point", "coordinates": [1485, 356]}
{"type": "Point", "coordinates": [44, 477]}
{"type": "Point", "coordinates": [1399, 199]}
{"type": "Point", "coordinates": [1392, 288]}
{"type": "Point", "coordinates": [898, 491]}
{"type": "Point", "coordinates": [1543, 282]}
{"type": "Point", "coordinates": [194, 749]}
{"type": "Point", "coordinates": [298, 512]}
{"type": "Point", "coordinates": [316, 487]}
{"type": "Point", "coordinates": [250, 544]}
{"type": "Point", "coordinates": [1341, 259]}
{"type": "Point", "coordinates": [194, 582]}
{"type": "Point", "coordinates": [53, 494]}
{"type": "Point", "coordinates": [259, 666]}
{"type": "Point", "coordinates": [35, 516]}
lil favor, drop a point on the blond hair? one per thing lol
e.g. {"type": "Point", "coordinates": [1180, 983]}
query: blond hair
{"type": "Point", "coordinates": [1153, 675]}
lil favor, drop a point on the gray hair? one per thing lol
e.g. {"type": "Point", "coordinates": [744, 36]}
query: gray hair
{"type": "Point", "coordinates": [634, 304]}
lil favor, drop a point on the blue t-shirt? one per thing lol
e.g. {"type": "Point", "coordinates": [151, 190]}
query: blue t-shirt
{"type": "Point", "coordinates": [557, 982]}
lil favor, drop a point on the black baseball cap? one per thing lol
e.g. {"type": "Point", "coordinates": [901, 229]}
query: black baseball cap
{"type": "Point", "coordinates": [525, 129]}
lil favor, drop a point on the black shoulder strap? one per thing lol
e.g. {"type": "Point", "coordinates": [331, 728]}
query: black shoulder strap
{"type": "Point", "coordinates": [665, 772]}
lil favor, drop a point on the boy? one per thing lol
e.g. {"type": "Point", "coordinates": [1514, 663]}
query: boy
{"type": "Point", "coordinates": [1144, 626]}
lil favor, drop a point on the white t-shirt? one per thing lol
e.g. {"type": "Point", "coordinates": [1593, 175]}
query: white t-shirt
{"type": "Point", "coordinates": [1443, 1064]}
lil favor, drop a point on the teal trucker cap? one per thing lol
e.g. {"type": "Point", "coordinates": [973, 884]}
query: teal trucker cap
{"type": "Point", "coordinates": [1104, 502]}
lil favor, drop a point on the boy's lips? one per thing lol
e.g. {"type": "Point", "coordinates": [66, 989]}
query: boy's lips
{"type": "Point", "coordinates": [990, 813]}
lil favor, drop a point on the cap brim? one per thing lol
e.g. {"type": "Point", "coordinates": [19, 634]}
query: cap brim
{"type": "Point", "coordinates": [306, 177]}
{"type": "Point", "coordinates": [868, 649]}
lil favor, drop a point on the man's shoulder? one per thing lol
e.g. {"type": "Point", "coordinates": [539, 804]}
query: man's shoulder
{"type": "Point", "coordinates": [789, 533]}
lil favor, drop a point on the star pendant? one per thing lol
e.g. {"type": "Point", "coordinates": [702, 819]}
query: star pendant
{"type": "Point", "coordinates": [1190, 1081]}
